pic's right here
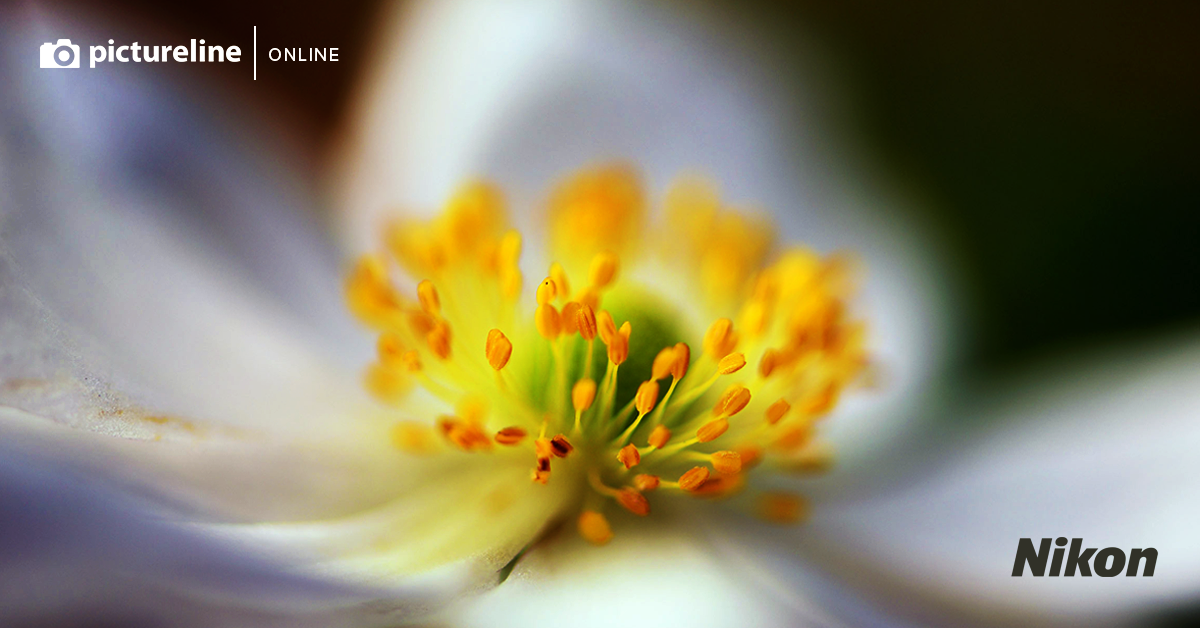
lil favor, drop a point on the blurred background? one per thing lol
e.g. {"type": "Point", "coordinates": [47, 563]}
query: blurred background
{"type": "Point", "coordinates": [1052, 144]}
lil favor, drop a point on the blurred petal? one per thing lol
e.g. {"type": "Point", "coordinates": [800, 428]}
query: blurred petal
{"type": "Point", "coordinates": [643, 577]}
{"type": "Point", "coordinates": [1105, 452]}
{"type": "Point", "coordinates": [74, 553]}
{"type": "Point", "coordinates": [160, 280]}
{"type": "Point", "coordinates": [527, 93]}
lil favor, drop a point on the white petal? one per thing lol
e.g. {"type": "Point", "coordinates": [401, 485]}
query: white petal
{"type": "Point", "coordinates": [1105, 452]}
{"type": "Point", "coordinates": [74, 553]}
{"type": "Point", "coordinates": [527, 92]}
{"type": "Point", "coordinates": [648, 576]}
{"type": "Point", "coordinates": [160, 279]}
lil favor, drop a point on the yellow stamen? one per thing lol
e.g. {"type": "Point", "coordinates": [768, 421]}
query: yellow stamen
{"type": "Point", "coordinates": [562, 285]}
{"type": "Point", "coordinates": [782, 508]}
{"type": "Point", "coordinates": [731, 363]}
{"type": "Point", "coordinates": [605, 326]}
{"type": "Point", "coordinates": [547, 320]}
{"type": "Point", "coordinates": [583, 394]}
{"type": "Point", "coordinates": [750, 455]}
{"type": "Point", "coordinates": [711, 430]}
{"type": "Point", "coordinates": [663, 362]}
{"type": "Point", "coordinates": [585, 319]}
{"type": "Point", "coordinates": [777, 411]}
{"type": "Point", "coordinates": [546, 291]}
{"type": "Point", "coordinates": [633, 501]}
{"type": "Point", "coordinates": [618, 347]}
{"type": "Point", "coordinates": [647, 396]}
{"type": "Point", "coordinates": [594, 527]}
{"type": "Point", "coordinates": [439, 340]}
{"type": "Point", "coordinates": [411, 361]}
{"type": "Point", "coordinates": [629, 456]}
{"type": "Point", "coordinates": [510, 436]}
{"type": "Point", "coordinates": [727, 462]}
{"type": "Point", "coordinates": [720, 339]}
{"type": "Point", "coordinates": [646, 482]}
{"type": "Point", "coordinates": [498, 349]}
{"type": "Point", "coordinates": [659, 436]}
{"type": "Point", "coordinates": [767, 364]}
{"type": "Point", "coordinates": [390, 348]}
{"type": "Point", "coordinates": [693, 479]}
{"type": "Point", "coordinates": [683, 357]}
{"type": "Point", "coordinates": [793, 438]}
{"type": "Point", "coordinates": [560, 446]}
{"type": "Point", "coordinates": [570, 318]}
{"type": "Point", "coordinates": [603, 270]}
{"type": "Point", "coordinates": [414, 438]}
{"type": "Point", "coordinates": [427, 296]}
{"type": "Point", "coordinates": [732, 401]}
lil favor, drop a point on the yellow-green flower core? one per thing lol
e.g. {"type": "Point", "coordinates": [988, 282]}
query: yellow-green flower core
{"type": "Point", "coordinates": [649, 363]}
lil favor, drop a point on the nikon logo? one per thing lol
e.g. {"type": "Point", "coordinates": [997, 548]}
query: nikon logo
{"type": "Point", "coordinates": [1108, 562]}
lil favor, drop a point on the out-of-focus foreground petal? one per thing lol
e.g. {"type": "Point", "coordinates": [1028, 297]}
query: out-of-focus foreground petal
{"type": "Point", "coordinates": [652, 576]}
{"type": "Point", "coordinates": [1104, 450]}
{"type": "Point", "coordinates": [164, 288]}
{"type": "Point", "coordinates": [525, 93]}
{"type": "Point", "coordinates": [73, 554]}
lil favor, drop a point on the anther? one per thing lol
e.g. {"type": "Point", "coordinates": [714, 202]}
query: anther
{"type": "Point", "coordinates": [563, 287]}
{"type": "Point", "coordinates": [594, 527]}
{"type": "Point", "coordinates": [603, 270]}
{"type": "Point", "coordinates": [583, 394]}
{"type": "Point", "coordinates": [727, 462]}
{"type": "Point", "coordinates": [770, 360]}
{"type": "Point", "coordinates": [647, 396]}
{"type": "Point", "coordinates": [732, 401]}
{"type": "Point", "coordinates": [782, 507]}
{"type": "Point", "coordinates": [605, 326]}
{"type": "Point", "coordinates": [646, 482]}
{"type": "Point", "coordinates": [793, 438]}
{"type": "Point", "coordinates": [546, 291]}
{"type": "Point", "coordinates": [720, 339]}
{"type": "Point", "coordinates": [510, 436]}
{"type": "Point", "coordinates": [629, 456]}
{"type": "Point", "coordinates": [427, 296]}
{"type": "Point", "coordinates": [569, 318]}
{"type": "Point", "coordinates": [777, 411]}
{"type": "Point", "coordinates": [390, 348]}
{"type": "Point", "coordinates": [750, 455]}
{"type": "Point", "coordinates": [498, 349]}
{"type": "Point", "coordinates": [731, 363]}
{"type": "Point", "coordinates": [711, 430]}
{"type": "Point", "coordinates": [618, 348]}
{"type": "Point", "coordinates": [439, 340]}
{"type": "Point", "coordinates": [663, 362]}
{"type": "Point", "coordinates": [633, 501]}
{"type": "Point", "coordinates": [412, 437]}
{"type": "Point", "coordinates": [659, 436]}
{"type": "Point", "coordinates": [411, 361]}
{"type": "Point", "coordinates": [683, 357]}
{"type": "Point", "coordinates": [560, 446]}
{"type": "Point", "coordinates": [585, 318]}
{"type": "Point", "coordinates": [693, 479]}
{"type": "Point", "coordinates": [547, 320]}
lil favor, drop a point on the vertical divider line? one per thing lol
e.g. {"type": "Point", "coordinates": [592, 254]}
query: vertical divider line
{"type": "Point", "coordinates": [256, 53]}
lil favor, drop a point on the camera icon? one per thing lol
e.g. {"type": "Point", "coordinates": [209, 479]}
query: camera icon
{"type": "Point", "coordinates": [61, 54]}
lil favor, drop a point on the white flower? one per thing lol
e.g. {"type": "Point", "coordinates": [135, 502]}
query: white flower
{"type": "Point", "coordinates": [173, 326]}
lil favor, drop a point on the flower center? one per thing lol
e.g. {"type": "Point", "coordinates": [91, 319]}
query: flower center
{"type": "Point", "coordinates": [597, 381]}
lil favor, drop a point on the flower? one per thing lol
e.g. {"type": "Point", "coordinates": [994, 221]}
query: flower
{"type": "Point", "coordinates": [574, 398]}
{"type": "Point", "coordinates": [185, 441]}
